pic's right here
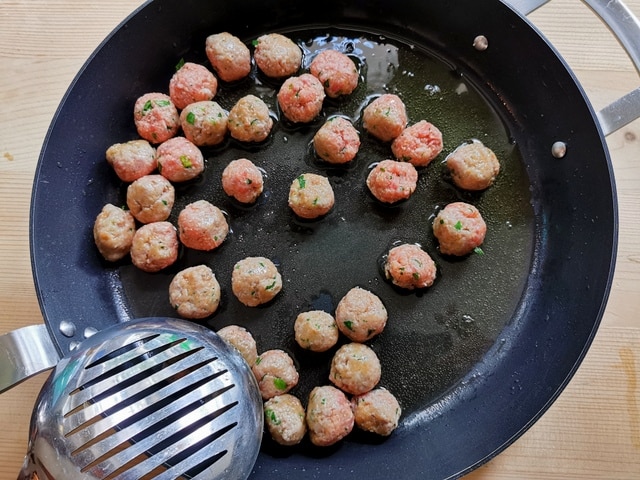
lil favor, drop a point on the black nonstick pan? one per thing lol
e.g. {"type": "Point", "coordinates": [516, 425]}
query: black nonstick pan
{"type": "Point", "coordinates": [476, 358]}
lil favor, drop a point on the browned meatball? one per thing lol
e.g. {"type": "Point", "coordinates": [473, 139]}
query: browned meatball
{"type": "Point", "coordinates": [249, 120]}
{"type": "Point", "coordinates": [355, 368]}
{"type": "Point", "coordinates": [473, 166]}
{"type": "Point", "coordinates": [337, 141]}
{"type": "Point", "coordinates": [156, 117]}
{"type": "Point", "coordinates": [192, 83]}
{"type": "Point", "coordinates": [336, 72]}
{"type": "Point", "coordinates": [202, 226]}
{"type": "Point", "coordinates": [408, 266]}
{"type": "Point", "coordinates": [275, 372]}
{"type": "Point", "coordinates": [386, 117]}
{"type": "Point", "coordinates": [361, 315]}
{"type": "Point", "coordinates": [113, 232]}
{"type": "Point", "coordinates": [459, 228]}
{"type": "Point", "coordinates": [132, 160]}
{"type": "Point", "coordinates": [150, 198]}
{"type": "Point", "coordinates": [230, 58]}
{"type": "Point", "coordinates": [242, 340]}
{"type": "Point", "coordinates": [300, 98]}
{"type": "Point", "coordinates": [204, 123]}
{"type": "Point", "coordinates": [329, 416]}
{"type": "Point", "coordinates": [277, 56]}
{"type": "Point", "coordinates": [311, 196]}
{"type": "Point", "coordinates": [316, 330]}
{"type": "Point", "coordinates": [285, 419]}
{"type": "Point", "coordinates": [255, 280]}
{"type": "Point", "coordinates": [195, 292]}
{"type": "Point", "coordinates": [377, 411]}
{"type": "Point", "coordinates": [155, 246]}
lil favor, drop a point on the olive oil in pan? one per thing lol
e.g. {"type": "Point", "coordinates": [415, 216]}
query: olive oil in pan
{"type": "Point", "coordinates": [433, 336]}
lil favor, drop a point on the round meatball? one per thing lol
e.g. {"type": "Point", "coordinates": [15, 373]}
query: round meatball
{"type": "Point", "coordinates": [408, 266]}
{"type": "Point", "coordinates": [204, 123]}
{"type": "Point", "coordinates": [300, 98]}
{"type": "Point", "coordinates": [192, 83]}
{"type": "Point", "coordinates": [132, 160]}
{"type": "Point", "coordinates": [179, 160]}
{"type": "Point", "coordinates": [113, 232]}
{"type": "Point", "coordinates": [242, 340]}
{"type": "Point", "coordinates": [229, 57]}
{"type": "Point", "coordinates": [330, 417]}
{"type": "Point", "coordinates": [154, 247]}
{"type": "Point", "coordinates": [249, 120]}
{"type": "Point", "coordinates": [202, 226]}
{"type": "Point", "coordinates": [337, 141]}
{"type": "Point", "coordinates": [316, 331]}
{"type": "Point", "coordinates": [151, 198]}
{"type": "Point", "coordinates": [386, 117]}
{"type": "Point", "coordinates": [277, 56]}
{"type": "Point", "coordinates": [194, 292]}
{"type": "Point", "coordinates": [242, 180]}
{"type": "Point", "coordinates": [156, 117]}
{"type": "Point", "coordinates": [360, 315]}
{"type": "Point", "coordinates": [473, 166]}
{"type": "Point", "coordinates": [418, 144]}
{"type": "Point", "coordinates": [275, 372]}
{"type": "Point", "coordinates": [391, 181]}
{"type": "Point", "coordinates": [284, 417]}
{"type": "Point", "coordinates": [355, 368]}
{"type": "Point", "coordinates": [459, 228]}
{"type": "Point", "coordinates": [255, 280]}
{"type": "Point", "coordinates": [377, 411]}
{"type": "Point", "coordinates": [336, 72]}
{"type": "Point", "coordinates": [311, 196]}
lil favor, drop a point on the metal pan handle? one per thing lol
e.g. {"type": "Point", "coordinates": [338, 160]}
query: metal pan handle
{"type": "Point", "coordinates": [625, 26]}
{"type": "Point", "coordinates": [24, 353]}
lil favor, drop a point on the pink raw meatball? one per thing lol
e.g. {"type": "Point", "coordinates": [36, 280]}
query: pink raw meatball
{"type": "Point", "coordinates": [386, 117]}
{"type": "Point", "coordinates": [459, 228]}
{"type": "Point", "coordinates": [179, 160]}
{"type": "Point", "coordinates": [155, 246]}
{"type": "Point", "coordinates": [242, 180]}
{"type": "Point", "coordinates": [391, 181]}
{"type": "Point", "coordinates": [330, 417]}
{"type": "Point", "coordinates": [408, 266]}
{"type": "Point", "coordinates": [275, 372]}
{"type": "Point", "coordinates": [202, 226]}
{"type": "Point", "coordinates": [192, 83]}
{"type": "Point", "coordinates": [336, 72]}
{"type": "Point", "coordinates": [230, 58]}
{"type": "Point", "coordinates": [156, 117]}
{"type": "Point", "coordinates": [277, 56]}
{"type": "Point", "coordinates": [418, 144]}
{"type": "Point", "coordinates": [132, 160]}
{"type": "Point", "coordinates": [337, 141]}
{"type": "Point", "coordinates": [300, 98]}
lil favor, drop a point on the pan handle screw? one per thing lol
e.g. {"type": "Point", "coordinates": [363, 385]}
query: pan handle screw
{"type": "Point", "coordinates": [480, 43]}
{"type": "Point", "coordinates": [559, 149]}
{"type": "Point", "coordinates": [68, 329]}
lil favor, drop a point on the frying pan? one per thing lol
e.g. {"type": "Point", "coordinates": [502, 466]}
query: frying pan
{"type": "Point", "coordinates": [479, 365]}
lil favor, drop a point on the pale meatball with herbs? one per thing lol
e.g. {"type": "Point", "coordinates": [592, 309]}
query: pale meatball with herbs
{"type": "Point", "coordinates": [391, 181]}
{"type": "Point", "coordinates": [255, 281]}
{"type": "Point", "coordinates": [316, 330]}
{"type": "Point", "coordinates": [242, 340]}
{"type": "Point", "coordinates": [204, 123]}
{"type": "Point", "coordinates": [191, 83]}
{"type": "Point", "coordinates": [275, 372]}
{"type": "Point", "coordinates": [409, 266]}
{"type": "Point", "coordinates": [459, 228]}
{"type": "Point", "coordinates": [418, 144]}
{"type": "Point", "coordinates": [337, 141]}
{"type": "Point", "coordinates": [300, 98]}
{"type": "Point", "coordinates": [156, 117]}
{"type": "Point", "coordinates": [284, 416]}
{"type": "Point", "coordinates": [132, 160]}
{"type": "Point", "coordinates": [195, 292]}
{"type": "Point", "coordinates": [330, 416]}
{"type": "Point", "coordinates": [277, 56]}
{"type": "Point", "coordinates": [249, 120]}
{"type": "Point", "coordinates": [355, 368]}
{"type": "Point", "coordinates": [202, 226]}
{"type": "Point", "coordinates": [473, 166]}
{"type": "Point", "coordinates": [151, 198]}
{"type": "Point", "coordinates": [113, 232]}
{"type": "Point", "coordinates": [155, 246]}
{"type": "Point", "coordinates": [386, 117]}
{"type": "Point", "coordinates": [179, 160]}
{"type": "Point", "coordinates": [377, 411]}
{"type": "Point", "coordinates": [242, 180]}
{"type": "Point", "coordinates": [311, 196]}
{"type": "Point", "coordinates": [361, 315]}
{"type": "Point", "coordinates": [336, 71]}
{"type": "Point", "coordinates": [229, 57]}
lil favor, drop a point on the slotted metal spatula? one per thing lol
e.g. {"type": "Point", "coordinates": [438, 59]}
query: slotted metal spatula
{"type": "Point", "coordinates": [147, 399]}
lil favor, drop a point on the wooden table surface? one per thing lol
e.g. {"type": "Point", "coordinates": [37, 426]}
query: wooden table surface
{"type": "Point", "coordinates": [591, 431]}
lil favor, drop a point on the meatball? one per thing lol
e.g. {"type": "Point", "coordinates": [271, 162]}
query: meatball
{"type": "Point", "coordinates": [300, 98]}
{"type": "Point", "coordinates": [377, 411]}
{"type": "Point", "coordinates": [355, 368]}
{"type": "Point", "coordinates": [418, 144]}
{"type": "Point", "coordinates": [385, 118]}
{"type": "Point", "coordinates": [229, 57]}
{"type": "Point", "coordinates": [408, 266]}
{"type": "Point", "coordinates": [194, 292]}
{"type": "Point", "coordinates": [329, 416]}
{"type": "Point", "coordinates": [249, 120]}
{"type": "Point", "coordinates": [192, 83]}
{"type": "Point", "coordinates": [156, 117]}
{"type": "Point", "coordinates": [255, 280]}
{"type": "Point", "coordinates": [336, 72]}
{"type": "Point", "coordinates": [459, 228]}
{"type": "Point", "coordinates": [240, 338]}
{"type": "Point", "coordinates": [179, 160]}
{"type": "Point", "coordinates": [391, 181]}
{"type": "Point", "coordinates": [360, 315]}
{"type": "Point", "coordinates": [337, 141]}
{"type": "Point", "coordinates": [473, 166]}
{"type": "Point", "coordinates": [155, 246]}
{"type": "Point", "coordinates": [151, 198]}
{"type": "Point", "coordinates": [113, 232]}
{"type": "Point", "coordinates": [132, 160]}
{"type": "Point", "coordinates": [242, 180]}
{"type": "Point", "coordinates": [202, 226]}
{"type": "Point", "coordinates": [311, 196]}
{"type": "Point", "coordinates": [284, 417]}
{"type": "Point", "coordinates": [316, 331]}
{"type": "Point", "coordinates": [277, 56]}
{"type": "Point", "coordinates": [204, 123]}
{"type": "Point", "coordinates": [275, 372]}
